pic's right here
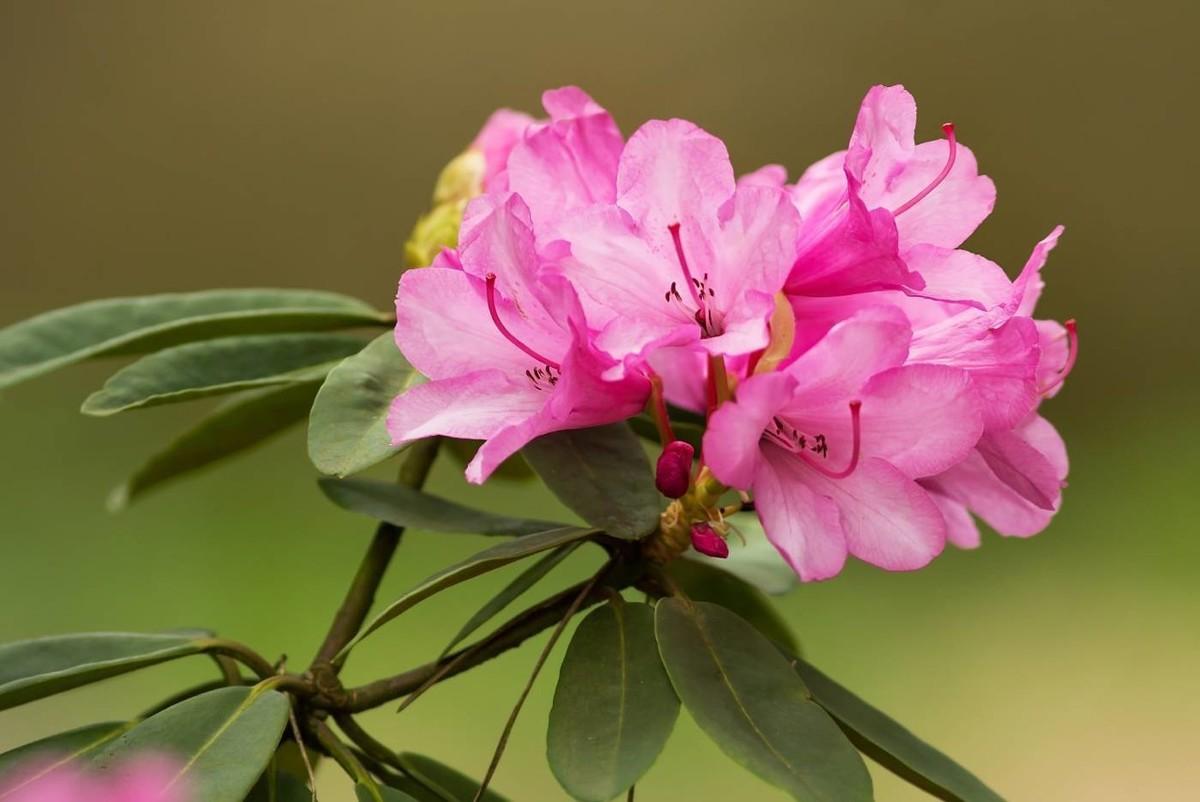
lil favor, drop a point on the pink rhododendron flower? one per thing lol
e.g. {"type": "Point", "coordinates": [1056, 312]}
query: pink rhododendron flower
{"type": "Point", "coordinates": [494, 143]}
{"type": "Point", "coordinates": [148, 779]}
{"type": "Point", "coordinates": [504, 343]}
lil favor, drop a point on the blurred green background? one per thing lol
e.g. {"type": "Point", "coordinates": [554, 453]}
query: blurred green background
{"type": "Point", "coordinates": [158, 146]}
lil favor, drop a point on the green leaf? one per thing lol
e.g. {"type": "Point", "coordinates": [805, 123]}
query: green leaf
{"type": "Point", "coordinates": [347, 431]}
{"type": "Point", "coordinates": [235, 426]}
{"type": "Point", "coordinates": [406, 506]}
{"type": "Point", "coordinates": [744, 694]}
{"type": "Point", "coordinates": [704, 582]}
{"type": "Point", "coordinates": [367, 794]}
{"type": "Point", "coordinates": [751, 557]}
{"type": "Point", "coordinates": [33, 669]}
{"type": "Point", "coordinates": [524, 581]}
{"type": "Point", "coordinates": [614, 706]}
{"type": "Point", "coordinates": [141, 325]}
{"type": "Point", "coordinates": [515, 468]}
{"type": "Point", "coordinates": [891, 745]}
{"type": "Point", "coordinates": [449, 783]}
{"type": "Point", "coordinates": [279, 786]}
{"type": "Point", "coordinates": [603, 475]}
{"type": "Point", "coordinates": [486, 560]}
{"type": "Point", "coordinates": [212, 367]}
{"type": "Point", "coordinates": [61, 749]}
{"type": "Point", "coordinates": [224, 740]}
{"type": "Point", "coordinates": [691, 433]}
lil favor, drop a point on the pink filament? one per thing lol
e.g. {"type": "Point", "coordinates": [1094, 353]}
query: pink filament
{"type": "Point", "coordinates": [948, 128]}
{"type": "Point", "coordinates": [687, 274]}
{"type": "Point", "coordinates": [855, 424]}
{"type": "Point", "coordinates": [1072, 354]}
{"type": "Point", "coordinates": [508, 335]}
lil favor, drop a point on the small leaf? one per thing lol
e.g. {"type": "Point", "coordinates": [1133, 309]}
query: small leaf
{"type": "Point", "coordinates": [752, 557]}
{"type": "Point", "coordinates": [603, 475]}
{"type": "Point", "coordinates": [449, 783]}
{"type": "Point", "coordinates": [406, 506]}
{"type": "Point", "coordinates": [61, 749]}
{"type": "Point", "coordinates": [891, 745]}
{"type": "Point", "coordinates": [614, 706]}
{"type": "Point", "coordinates": [235, 426]}
{"type": "Point", "coordinates": [223, 740]}
{"type": "Point", "coordinates": [524, 581]}
{"type": "Point", "coordinates": [141, 325]}
{"type": "Point", "coordinates": [486, 560]}
{"type": "Point", "coordinates": [33, 669]}
{"type": "Point", "coordinates": [705, 582]}
{"type": "Point", "coordinates": [212, 367]}
{"type": "Point", "coordinates": [744, 694]}
{"type": "Point", "coordinates": [347, 431]}
{"type": "Point", "coordinates": [383, 793]}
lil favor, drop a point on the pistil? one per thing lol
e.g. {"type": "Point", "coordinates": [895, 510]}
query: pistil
{"type": "Point", "coordinates": [508, 335]}
{"type": "Point", "coordinates": [948, 128]}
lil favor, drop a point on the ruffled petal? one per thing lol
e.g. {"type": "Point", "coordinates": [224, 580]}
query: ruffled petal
{"type": "Point", "coordinates": [471, 406]}
{"type": "Point", "coordinates": [805, 527]}
{"type": "Point", "coordinates": [835, 369]}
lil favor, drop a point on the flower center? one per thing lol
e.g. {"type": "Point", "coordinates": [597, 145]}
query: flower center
{"type": "Point", "coordinates": [789, 438]}
{"type": "Point", "coordinates": [547, 372]}
{"type": "Point", "coordinates": [948, 129]}
{"type": "Point", "coordinates": [698, 290]}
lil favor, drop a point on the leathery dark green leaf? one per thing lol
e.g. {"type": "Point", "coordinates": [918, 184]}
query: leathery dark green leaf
{"type": "Point", "coordinates": [56, 751]}
{"type": "Point", "coordinates": [705, 582]}
{"type": "Point", "coordinates": [888, 743]}
{"type": "Point", "coordinates": [366, 794]}
{"type": "Point", "coordinates": [614, 706]}
{"type": "Point", "coordinates": [141, 325]}
{"type": "Point", "coordinates": [406, 506]}
{"type": "Point", "coordinates": [745, 695]}
{"type": "Point", "coordinates": [603, 475]}
{"type": "Point", "coordinates": [450, 783]}
{"type": "Point", "coordinates": [213, 367]}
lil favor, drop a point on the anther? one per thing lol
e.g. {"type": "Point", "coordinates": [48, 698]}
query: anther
{"type": "Point", "coordinates": [508, 335]}
{"type": "Point", "coordinates": [856, 447]}
{"type": "Point", "coordinates": [948, 129]}
{"type": "Point", "coordinates": [1072, 354]}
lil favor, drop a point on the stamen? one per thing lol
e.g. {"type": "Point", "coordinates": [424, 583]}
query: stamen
{"type": "Point", "coordinates": [691, 283]}
{"type": "Point", "coordinates": [1072, 354]}
{"type": "Point", "coordinates": [855, 424]}
{"type": "Point", "coordinates": [508, 335]}
{"type": "Point", "coordinates": [948, 128]}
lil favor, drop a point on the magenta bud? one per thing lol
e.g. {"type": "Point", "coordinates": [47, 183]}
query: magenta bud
{"type": "Point", "coordinates": [674, 471]}
{"type": "Point", "coordinates": [706, 541]}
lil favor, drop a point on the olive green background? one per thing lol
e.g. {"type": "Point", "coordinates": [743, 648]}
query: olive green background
{"type": "Point", "coordinates": [166, 146]}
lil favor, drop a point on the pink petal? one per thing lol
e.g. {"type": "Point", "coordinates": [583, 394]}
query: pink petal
{"type": "Point", "coordinates": [804, 526]}
{"type": "Point", "coordinates": [1027, 289]}
{"type": "Point", "coordinates": [496, 140]}
{"type": "Point", "coordinates": [882, 140]}
{"type": "Point", "coordinates": [821, 189]}
{"type": "Point", "coordinates": [769, 175]}
{"type": "Point", "coordinates": [973, 484]}
{"type": "Point", "coordinates": [960, 526]}
{"type": "Point", "coordinates": [735, 429]}
{"type": "Point", "coordinates": [957, 275]}
{"type": "Point", "coordinates": [1022, 467]}
{"type": "Point", "coordinates": [471, 406]}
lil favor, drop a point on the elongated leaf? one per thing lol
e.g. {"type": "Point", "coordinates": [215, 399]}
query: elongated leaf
{"type": "Point", "coordinates": [347, 431]}
{"type": "Point", "coordinates": [744, 694]}
{"type": "Point", "coordinates": [451, 784]}
{"type": "Point", "coordinates": [141, 325]}
{"type": "Point", "coordinates": [279, 786]}
{"type": "Point", "coordinates": [486, 560]}
{"type": "Point", "coordinates": [61, 749]}
{"type": "Point", "coordinates": [752, 557]}
{"type": "Point", "coordinates": [41, 667]}
{"type": "Point", "coordinates": [601, 474]}
{"type": "Point", "coordinates": [212, 367]}
{"type": "Point", "coordinates": [891, 745]}
{"type": "Point", "coordinates": [406, 506]}
{"type": "Point", "coordinates": [236, 426]}
{"type": "Point", "coordinates": [614, 706]}
{"type": "Point", "coordinates": [383, 794]}
{"type": "Point", "coordinates": [223, 739]}
{"type": "Point", "coordinates": [511, 592]}
{"type": "Point", "coordinates": [705, 582]}
{"type": "Point", "coordinates": [515, 468]}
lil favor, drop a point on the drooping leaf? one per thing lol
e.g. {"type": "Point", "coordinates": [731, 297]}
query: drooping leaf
{"type": "Point", "coordinates": [235, 426]}
{"type": "Point", "coordinates": [279, 786]}
{"type": "Point", "coordinates": [224, 365]}
{"type": "Point", "coordinates": [406, 506]}
{"type": "Point", "coordinates": [347, 431]}
{"type": "Point", "coordinates": [223, 740]}
{"type": "Point", "coordinates": [744, 694]}
{"type": "Point", "coordinates": [486, 560]}
{"type": "Point", "coordinates": [380, 794]}
{"type": "Point", "coordinates": [614, 706]}
{"type": "Point", "coordinates": [59, 750]}
{"type": "Point", "coordinates": [705, 582]}
{"type": "Point", "coordinates": [141, 325]}
{"type": "Point", "coordinates": [603, 475]}
{"type": "Point", "coordinates": [513, 590]}
{"type": "Point", "coordinates": [450, 783]}
{"type": "Point", "coordinates": [752, 557]}
{"type": "Point", "coordinates": [41, 667]}
{"type": "Point", "coordinates": [888, 743]}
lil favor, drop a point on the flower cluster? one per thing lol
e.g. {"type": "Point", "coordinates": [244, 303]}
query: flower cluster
{"type": "Point", "coordinates": [866, 382]}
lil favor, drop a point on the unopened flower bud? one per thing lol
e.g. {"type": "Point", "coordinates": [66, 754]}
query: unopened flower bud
{"type": "Point", "coordinates": [706, 541]}
{"type": "Point", "coordinates": [674, 471]}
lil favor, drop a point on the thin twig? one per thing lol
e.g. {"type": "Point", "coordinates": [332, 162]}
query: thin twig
{"type": "Point", "coordinates": [537, 669]}
{"type": "Point", "coordinates": [296, 734]}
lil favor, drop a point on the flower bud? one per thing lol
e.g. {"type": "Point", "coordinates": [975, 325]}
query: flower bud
{"type": "Point", "coordinates": [674, 471]}
{"type": "Point", "coordinates": [706, 541]}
